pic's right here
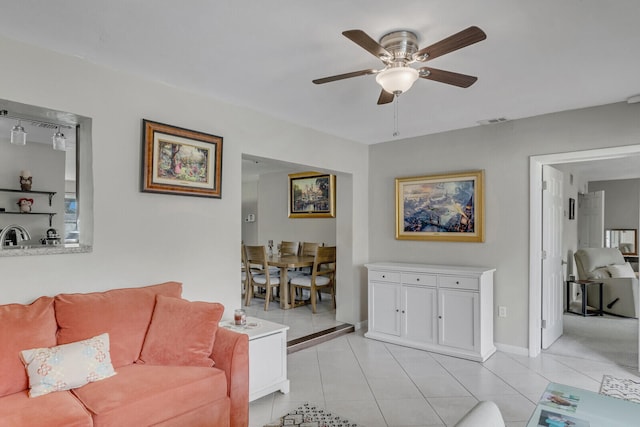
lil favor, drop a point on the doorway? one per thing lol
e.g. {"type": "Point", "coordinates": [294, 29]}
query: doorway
{"type": "Point", "coordinates": [279, 227]}
{"type": "Point", "coordinates": [535, 226]}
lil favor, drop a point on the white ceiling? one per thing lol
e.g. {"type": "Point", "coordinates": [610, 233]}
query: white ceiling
{"type": "Point", "coordinates": [539, 56]}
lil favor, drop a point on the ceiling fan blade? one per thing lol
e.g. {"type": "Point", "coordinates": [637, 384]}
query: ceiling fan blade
{"type": "Point", "coordinates": [448, 77]}
{"type": "Point", "coordinates": [363, 40]}
{"type": "Point", "coordinates": [385, 97]}
{"type": "Point", "coordinates": [457, 41]}
{"type": "Point", "coordinates": [344, 76]}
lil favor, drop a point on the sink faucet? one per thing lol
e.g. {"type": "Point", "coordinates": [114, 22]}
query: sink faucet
{"type": "Point", "coordinates": [20, 232]}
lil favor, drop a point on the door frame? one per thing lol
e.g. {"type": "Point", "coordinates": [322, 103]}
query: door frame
{"type": "Point", "coordinates": [535, 226]}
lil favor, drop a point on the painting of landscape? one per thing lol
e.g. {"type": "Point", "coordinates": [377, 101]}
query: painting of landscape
{"type": "Point", "coordinates": [443, 207]}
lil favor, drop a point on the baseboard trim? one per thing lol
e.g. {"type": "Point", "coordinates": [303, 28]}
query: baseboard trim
{"type": "Point", "coordinates": [512, 349]}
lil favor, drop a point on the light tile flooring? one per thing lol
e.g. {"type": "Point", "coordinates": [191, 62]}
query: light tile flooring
{"type": "Point", "coordinates": [376, 384]}
{"type": "Point", "coordinates": [301, 320]}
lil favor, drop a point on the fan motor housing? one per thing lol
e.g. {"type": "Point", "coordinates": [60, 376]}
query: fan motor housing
{"type": "Point", "coordinates": [402, 44]}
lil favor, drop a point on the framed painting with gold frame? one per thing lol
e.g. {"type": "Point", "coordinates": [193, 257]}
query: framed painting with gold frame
{"type": "Point", "coordinates": [180, 161]}
{"type": "Point", "coordinates": [312, 195]}
{"type": "Point", "coordinates": [448, 207]}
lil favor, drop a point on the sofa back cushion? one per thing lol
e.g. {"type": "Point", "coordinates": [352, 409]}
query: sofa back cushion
{"type": "Point", "coordinates": [124, 314]}
{"type": "Point", "coordinates": [23, 327]}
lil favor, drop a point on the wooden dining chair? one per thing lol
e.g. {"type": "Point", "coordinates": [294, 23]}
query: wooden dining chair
{"type": "Point", "coordinates": [308, 248]}
{"type": "Point", "coordinates": [259, 275]}
{"type": "Point", "coordinates": [322, 277]}
{"type": "Point", "coordinates": [289, 248]}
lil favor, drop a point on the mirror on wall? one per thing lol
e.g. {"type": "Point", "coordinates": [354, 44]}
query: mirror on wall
{"type": "Point", "coordinates": [624, 239]}
{"type": "Point", "coordinates": [46, 200]}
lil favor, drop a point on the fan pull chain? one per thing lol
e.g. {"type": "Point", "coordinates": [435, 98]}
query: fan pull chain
{"type": "Point", "coordinates": [396, 132]}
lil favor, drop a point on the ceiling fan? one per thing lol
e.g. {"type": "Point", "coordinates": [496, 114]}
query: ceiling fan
{"type": "Point", "coordinates": [398, 50]}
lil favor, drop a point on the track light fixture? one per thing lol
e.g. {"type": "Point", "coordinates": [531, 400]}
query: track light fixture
{"type": "Point", "coordinates": [18, 135]}
{"type": "Point", "coordinates": [59, 140]}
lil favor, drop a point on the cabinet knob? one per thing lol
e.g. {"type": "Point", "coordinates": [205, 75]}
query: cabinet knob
{"type": "Point", "coordinates": [418, 279]}
{"type": "Point", "coordinates": [457, 283]}
{"type": "Point", "coordinates": [402, 311]}
{"type": "Point", "coordinates": [439, 317]}
{"type": "Point", "coordinates": [397, 310]}
{"type": "Point", "coordinates": [384, 277]}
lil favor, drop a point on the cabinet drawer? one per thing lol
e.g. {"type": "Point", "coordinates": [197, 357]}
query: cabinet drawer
{"type": "Point", "coordinates": [419, 279]}
{"type": "Point", "coordinates": [384, 276]}
{"type": "Point", "coordinates": [458, 282]}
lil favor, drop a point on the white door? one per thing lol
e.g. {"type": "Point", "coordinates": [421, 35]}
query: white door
{"type": "Point", "coordinates": [385, 308]}
{"type": "Point", "coordinates": [591, 220]}
{"type": "Point", "coordinates": [552, 277]}
{"type": "Point", "coordinates": [419, 314]}
{"type": "Point", "coordinates": [459, 319]}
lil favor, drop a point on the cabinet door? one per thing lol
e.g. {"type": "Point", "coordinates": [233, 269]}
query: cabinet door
{"type": "Point", "coordinates": [459, 319]}
{"type": "Point", "coordinates": [419, 314]}
{"type": "Point", "coordinates": [385, 308]}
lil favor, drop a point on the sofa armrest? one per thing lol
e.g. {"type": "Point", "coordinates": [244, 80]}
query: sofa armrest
{"type": "Point", "coordinates": [231, 354]}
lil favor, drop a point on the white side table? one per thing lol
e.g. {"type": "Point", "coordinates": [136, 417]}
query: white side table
{"type": "Point", "coordinates": [267, 356]}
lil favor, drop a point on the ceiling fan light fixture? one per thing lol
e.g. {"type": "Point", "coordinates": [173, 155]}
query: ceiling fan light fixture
{"type": "Point", "coordinates": [397, 80]}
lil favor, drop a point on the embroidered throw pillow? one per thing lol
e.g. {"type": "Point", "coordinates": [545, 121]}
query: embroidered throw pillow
{"type": "Point", "coordinates": [181, 332]}
{"type": "Point", "coordinates": [67, 366]}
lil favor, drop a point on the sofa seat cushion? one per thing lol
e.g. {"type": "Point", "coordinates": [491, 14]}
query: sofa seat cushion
{"type": "Point", "coordinates": [23, 327]}
{"type": "Point", "coordinates": [60, 409]}
{"type": "Point", "coordinates": [124, 314]}
{"type": "Point", "coordinates": [148, 394]}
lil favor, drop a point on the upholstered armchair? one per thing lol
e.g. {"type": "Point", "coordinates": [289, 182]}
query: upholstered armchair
{"type": "Point", "coordinates": [620, 284]}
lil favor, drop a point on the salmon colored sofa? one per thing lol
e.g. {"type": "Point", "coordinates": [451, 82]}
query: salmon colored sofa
{"type": "Point", "coordinates": [162, 349]}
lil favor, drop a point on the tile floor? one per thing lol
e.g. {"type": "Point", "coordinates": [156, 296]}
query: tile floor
{"type": "Point", "coordinates": [301, 320]}
{"type": "Point", "coordinates": [376, 384]}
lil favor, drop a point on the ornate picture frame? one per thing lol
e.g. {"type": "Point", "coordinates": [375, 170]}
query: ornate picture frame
{"type": "Point", "coordinates": [312, 195]}
{"type": "Point", "coordinates": [180, 161]}
{"type": "Point", "coordinates": [447, 207]}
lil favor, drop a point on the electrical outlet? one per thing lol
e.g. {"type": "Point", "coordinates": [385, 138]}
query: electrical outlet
{"type": "Point", "coordinates": [502, 311]}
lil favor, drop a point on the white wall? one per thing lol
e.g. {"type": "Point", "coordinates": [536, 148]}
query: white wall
{"type": "Point", "coordinates": [250, 206]}
{"type": "Point", "coordinates": [621, 202]}
{"type": "Point", "coordinates": [142, 238]}
{"type": "Point", "coordinates": [503, 151]}
{"type": "Point", "coordinates": [274, 222]}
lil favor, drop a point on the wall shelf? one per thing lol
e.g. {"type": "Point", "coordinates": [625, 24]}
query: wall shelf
{"type": "Point", "coordinates": [11, 190]}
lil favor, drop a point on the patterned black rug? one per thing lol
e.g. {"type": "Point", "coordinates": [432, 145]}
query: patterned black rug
{"type": "Point", "coordinates": [310, 415]}
{"type": "Point", "coordinates": [626, 389]}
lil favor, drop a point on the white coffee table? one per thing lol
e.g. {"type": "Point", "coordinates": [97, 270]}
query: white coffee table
{"type": "Point", "coordinates": [267, 356]}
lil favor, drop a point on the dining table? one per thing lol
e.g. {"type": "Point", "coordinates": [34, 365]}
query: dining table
{"type": "Point", "coordinates": [284, 263]}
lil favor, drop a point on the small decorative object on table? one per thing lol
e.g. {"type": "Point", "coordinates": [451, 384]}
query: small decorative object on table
{"type": "Point", "coordinates": [25, 204]}
{"type": "Point", "coordinates": [240, 317]}
{"type": "Point", "coordinates": [25, 180]}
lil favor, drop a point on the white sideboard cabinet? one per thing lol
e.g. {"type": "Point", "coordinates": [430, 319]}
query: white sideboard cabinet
{"type": "Point", "coordinates": [439, 308]}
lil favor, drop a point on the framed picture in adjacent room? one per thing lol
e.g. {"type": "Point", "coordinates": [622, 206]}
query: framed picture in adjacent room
{"type": "Point", "coordinates": [312, 195]}
{"type": "Point", "coordinates": [448, 207]}
{"type": "Point", "coordinates": [180, 161]}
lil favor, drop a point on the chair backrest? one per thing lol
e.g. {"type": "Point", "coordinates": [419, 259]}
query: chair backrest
{"type": "Point", "coordinates": [257, 256]}
{"type": "Point", "coordinates": [309, 248]}
{"type": "Point", "coordinates": [289, 248]}
{"type": "Point", "coordinates": [485, 414]}
{"type": "Point", "coordinates": [590, 259]}
{"type": "Point", "coordinates": [324, 262]}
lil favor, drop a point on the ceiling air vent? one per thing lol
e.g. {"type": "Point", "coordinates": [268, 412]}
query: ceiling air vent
{"type": "Point", "coordinates": [492, 121]}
